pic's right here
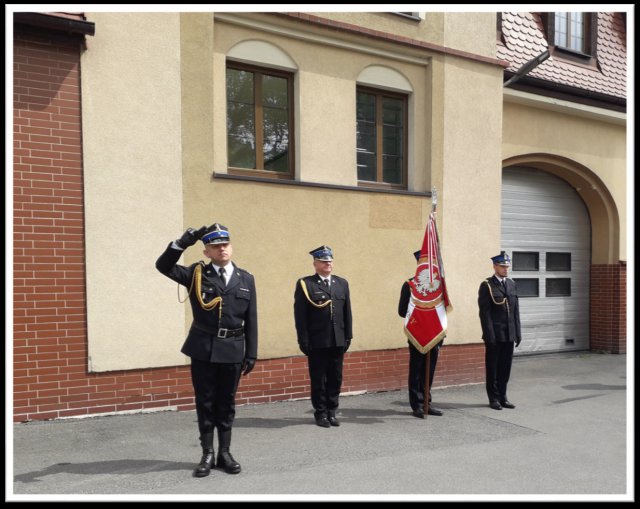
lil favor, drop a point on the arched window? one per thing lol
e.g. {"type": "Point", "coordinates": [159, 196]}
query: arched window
{"type": "Point", "coordinates": [382, 113]}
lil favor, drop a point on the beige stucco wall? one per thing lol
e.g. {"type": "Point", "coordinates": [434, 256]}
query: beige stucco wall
{"type": "Point", "coordinates": [155, 133]}
{"type": "Point", "coordinates": [325, 91]}
{"type": "Point", "coordinates": [448, 126]}
{"type": "Point", "coordinates": [473, 32]}
{"type": "Point", "coordinates": [469, 175]}
{"type": "Point", "coordinates": [597, 146]}
{"type": "Point", "coordinates": [133, 188]}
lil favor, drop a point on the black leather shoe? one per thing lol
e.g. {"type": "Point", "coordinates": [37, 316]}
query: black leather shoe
{"type": "Point", "coordinates": [495, 405]}
{"type": "Point", "coordinates": [227, 463]}
{"type": "Point", "coordinates": [434, 411]}
{"type": "Point", "coordinates": [507, 404]}
{"type": "Point", "coordinates": [206, 463]}
{"type": "Point", "coordinates": [333, 420]}
{"type": "Point", "coordinates": [418, 413]}
{"type": "Point", "coordinates": [323, 422]}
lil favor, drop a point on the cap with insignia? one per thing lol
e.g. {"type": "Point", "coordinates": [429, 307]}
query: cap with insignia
{"type": "Point", "coordinates": [322, 253]}
{"type": "Point", "coordinates": [216, 234]}
{"type": "Point", "coordinates": [502, 259]}
{"type": "Point", "coordinates": [417, 255]}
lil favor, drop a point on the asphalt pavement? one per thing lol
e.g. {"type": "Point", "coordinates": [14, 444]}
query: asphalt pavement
{"type": "Point", "coordinates": [567, 439]}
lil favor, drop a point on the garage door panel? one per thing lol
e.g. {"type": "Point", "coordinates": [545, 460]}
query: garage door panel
{"type": "Point", "coordinates": [543, 214]}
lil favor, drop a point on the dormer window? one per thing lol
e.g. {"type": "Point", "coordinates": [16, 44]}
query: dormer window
{"type": "Point", "coordinates": [572, 35]}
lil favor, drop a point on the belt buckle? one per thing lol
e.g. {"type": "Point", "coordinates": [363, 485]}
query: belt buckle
{"type": "Point", "coordinates": [223, 331]}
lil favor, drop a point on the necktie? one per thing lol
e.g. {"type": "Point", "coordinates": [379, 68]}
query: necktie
{"type": "Point", "coordinates": [504, 285]}
{"type": "Point", "coordinates": [326, 282]}
{"type": "Point", "coordinates": [222, 275]}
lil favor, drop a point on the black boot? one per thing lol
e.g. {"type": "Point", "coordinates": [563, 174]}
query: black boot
{"type": "Point", "coordinates": [225, 460]}
{"type": "Point", "coordinates": [206, 462]}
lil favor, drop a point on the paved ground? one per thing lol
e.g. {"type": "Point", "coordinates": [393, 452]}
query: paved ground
{"type": "Point", "coordinates": [566, 440]}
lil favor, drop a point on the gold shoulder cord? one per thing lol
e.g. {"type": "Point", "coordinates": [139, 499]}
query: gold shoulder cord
{"type": "Point", "coordinates": [306, 294]}
{"type": "Point", "coordinates": [503, 302]}
{"type": "Point", "coordinates": [197, 278]}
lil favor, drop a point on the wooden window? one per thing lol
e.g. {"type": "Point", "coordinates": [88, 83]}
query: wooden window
{"type": "Point", "coordinates": [259, 121]}
{"type": "Point", "coordinates": [381, 138]}
{"type": "Point", "coordinates": [572, 35]}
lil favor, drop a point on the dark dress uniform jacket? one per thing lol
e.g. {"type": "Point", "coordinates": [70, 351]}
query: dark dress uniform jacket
{"type": "Point", "coordinates": [239, 309]}
{"type": "Point", "coordinates": [316, 326]}
{"type": "Point", "coordinates": [500, 323]}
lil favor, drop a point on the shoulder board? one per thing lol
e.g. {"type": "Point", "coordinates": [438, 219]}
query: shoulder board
{"type": "Point", "coordinates": [244, 270]}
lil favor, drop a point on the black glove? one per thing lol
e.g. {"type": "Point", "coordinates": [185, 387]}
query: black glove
{"type": "Point", "coordinates": [347, 344]}
{"type": "Point", "coordinates": [304, 348]}
{"type": "Point", "coordinates": [190, 237]}
{"type": "Point", "coordinates": [247, 366]}
{"type": "Point", "coordinates": [518, 341]}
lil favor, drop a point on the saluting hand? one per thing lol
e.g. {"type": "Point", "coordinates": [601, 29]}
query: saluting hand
{"type": "Point", "coordinates": [190, 237]}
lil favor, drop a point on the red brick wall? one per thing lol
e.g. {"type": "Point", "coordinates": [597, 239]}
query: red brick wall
{"type": "Point", "coordinates": [371, 371]}
{"type": "Point", "coordinates": [609, 308]}
{"type": "Point", "coordinates": [49, 300]}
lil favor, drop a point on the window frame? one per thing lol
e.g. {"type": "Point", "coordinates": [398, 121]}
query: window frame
{"type": "Point", "coordinates": [588, 56]}
{"type": "Point", "coordinates": [378, 183]}
{"type": "Point", "coordinates": [258, 112]}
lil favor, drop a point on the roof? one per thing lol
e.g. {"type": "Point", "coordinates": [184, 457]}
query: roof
{"type": "Point", "coordinates": [524, 38]}
{"type": "Point", "coordinates": [70, 22]}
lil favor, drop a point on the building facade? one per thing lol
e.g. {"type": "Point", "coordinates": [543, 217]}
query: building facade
{"type": "Point", "coordinates": [296, 130]}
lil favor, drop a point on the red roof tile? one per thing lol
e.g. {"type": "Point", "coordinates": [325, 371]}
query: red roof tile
{"type": "Point", "coordinates": [524, 38]}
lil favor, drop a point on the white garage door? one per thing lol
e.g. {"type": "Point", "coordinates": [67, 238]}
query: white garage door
{"type": "Point", "coordinates": [547, 232]}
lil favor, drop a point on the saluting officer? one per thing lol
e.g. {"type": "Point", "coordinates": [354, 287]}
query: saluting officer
{"type": "Point", "coordinates": [322, 312]}
{"type": "Point", "coordinates": [500, 321]}
{"type": "Point", "coordinates": [223, 339]}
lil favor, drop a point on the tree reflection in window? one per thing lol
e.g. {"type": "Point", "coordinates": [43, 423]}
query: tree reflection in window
{"type": "Point", "coordinates": [259, 120]}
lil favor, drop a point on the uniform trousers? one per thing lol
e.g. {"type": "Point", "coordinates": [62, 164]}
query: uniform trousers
{"type": "Point", "coordinates": [215, 386]}
{"type": "Point", "coordinates": [417, 373]}
{"type": "Point", "coordinates": [497, 359]}
{"type": "Point", "coordinates": [325, 372]}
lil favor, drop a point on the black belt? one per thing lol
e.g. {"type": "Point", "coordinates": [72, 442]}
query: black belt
{"type": "Point", "coordinates": [230, 333]}
{"type": "Point", "coordinates": [221, 333]}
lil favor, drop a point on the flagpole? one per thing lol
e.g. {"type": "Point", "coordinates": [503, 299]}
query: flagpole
{"type": "Point", "coordinates": [434, 204]}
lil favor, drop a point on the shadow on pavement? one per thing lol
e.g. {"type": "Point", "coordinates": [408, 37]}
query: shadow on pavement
{"type": "Point", "coordinates": [123, 467]}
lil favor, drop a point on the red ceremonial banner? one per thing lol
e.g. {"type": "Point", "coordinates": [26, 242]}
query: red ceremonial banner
{"type": "Point", "coordinates": [426, 320]}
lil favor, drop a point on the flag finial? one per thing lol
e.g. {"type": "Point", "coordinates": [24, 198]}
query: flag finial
{"type": "Point", "coordinates": [434, 199]}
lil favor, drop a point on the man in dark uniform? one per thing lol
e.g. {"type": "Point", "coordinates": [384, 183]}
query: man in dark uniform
{"type": "Point", "coordinates": [322, 312]}
{"type": "Point", "coordinates": [500, 321]}
{"type": "Point", "coordinates": [417, 361]}
{"type": "Point", "coordinates": [223, 339]}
